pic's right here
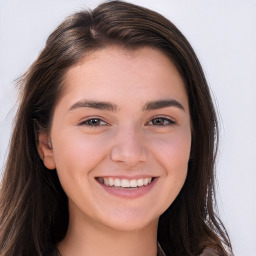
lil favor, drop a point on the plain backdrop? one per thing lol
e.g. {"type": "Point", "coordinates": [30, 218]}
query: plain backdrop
{"type": "Point", "coordinates": [223, 34]}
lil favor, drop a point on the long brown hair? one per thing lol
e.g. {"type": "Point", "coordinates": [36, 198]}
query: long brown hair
{"type": "Point", "coordinates": [33, 206]}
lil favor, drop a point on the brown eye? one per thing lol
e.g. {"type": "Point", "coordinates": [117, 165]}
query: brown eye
{"type": "Point", "coordinates": [160, 121]}
{"type": "Point", "coordinates": [93, 122]}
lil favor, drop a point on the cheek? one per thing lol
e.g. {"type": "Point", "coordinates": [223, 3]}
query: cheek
{"type": "Point", "coordinates": [173, 155]}
{"type": "Point", "coordinates": [179, 150]}
{"type": "Point", "coordinates": [173, 151]}
{"type": "Point", "coordinates": [76, 153]}
{"type": "Point", "coordinates": [177, 158]}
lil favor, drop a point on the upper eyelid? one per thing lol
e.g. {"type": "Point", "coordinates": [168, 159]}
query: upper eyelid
{"type": "Point", "coordinates": [162, 117]}
{"type": "Point", "coordinates": [169, 123]}
{"type": "Point", "coordinates": [84, 120]}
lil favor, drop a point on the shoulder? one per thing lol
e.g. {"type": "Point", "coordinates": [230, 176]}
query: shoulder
{"type": "Point", "coordinates": [208, 252]}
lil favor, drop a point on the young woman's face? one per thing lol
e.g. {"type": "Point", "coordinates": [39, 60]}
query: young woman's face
{"type": "Point", "coordinates": [120, 137]}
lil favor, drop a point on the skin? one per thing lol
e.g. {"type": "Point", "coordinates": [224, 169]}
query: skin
{"type": "Point", "coordinates": [127, 141]}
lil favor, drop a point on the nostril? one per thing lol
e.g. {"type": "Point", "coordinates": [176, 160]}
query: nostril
{"type": "Point", "coordinates": [129, 151]}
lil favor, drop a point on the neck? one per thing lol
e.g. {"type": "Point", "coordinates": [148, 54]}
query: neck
{"type": "Point", "coordinates": [90, 239]}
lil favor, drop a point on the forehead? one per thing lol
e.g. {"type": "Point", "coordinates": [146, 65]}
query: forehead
{"type": "Point", "coordinates": [116, 70]}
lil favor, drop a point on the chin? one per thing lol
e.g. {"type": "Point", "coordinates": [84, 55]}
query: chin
{"type": "Point", "coordinates": [130, 221]}
{"type": "Point", "coordinates": [131, 225]}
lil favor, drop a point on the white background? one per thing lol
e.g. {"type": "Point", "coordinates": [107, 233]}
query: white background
{"type": "Point", "coordinates": [222, 33]}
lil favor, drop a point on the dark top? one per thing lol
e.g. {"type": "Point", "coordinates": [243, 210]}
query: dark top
{"type": "Point", "coordinates": [206, 252]}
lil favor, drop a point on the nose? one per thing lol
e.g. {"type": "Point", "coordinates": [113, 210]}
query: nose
{"type": "Point", "coordinates": [129, 148]}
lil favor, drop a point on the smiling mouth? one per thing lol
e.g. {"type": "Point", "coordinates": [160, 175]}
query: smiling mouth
{"type": "Point", "coordinates": [125, 183]}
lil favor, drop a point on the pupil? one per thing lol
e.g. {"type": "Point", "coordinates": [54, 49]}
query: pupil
{"type": "Point", "coordinates": [158, 121]}
{"type": "Point", "coordinates": [94, 122]}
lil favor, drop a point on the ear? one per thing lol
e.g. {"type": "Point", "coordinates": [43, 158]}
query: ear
{"type": "Point", "coordinates": [45, 150]}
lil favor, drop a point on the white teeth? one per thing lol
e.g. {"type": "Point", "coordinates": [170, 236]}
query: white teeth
{"type": "Point", "coordinates": [117, 183]}
{"type": "Point", "coordinates": [133, 183]}
{"type": "Point", "coordinates": [140, 182]}
{"type": "Point", "coordinates": [110, 182]}
{"type": "Point", "coordinates": [125, 183]}
{"type": "Point", "coordinates": [146, 181]}
{"type": "Point", "coordinates": [106, 181]}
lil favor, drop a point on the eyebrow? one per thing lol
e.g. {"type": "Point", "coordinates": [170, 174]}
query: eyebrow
{"type": "Point", "coordinates": [101, 105]}
{"type": "Point", "coordinates": [162, 104]}
{"type": "Point", "coordinates": [94, 104]}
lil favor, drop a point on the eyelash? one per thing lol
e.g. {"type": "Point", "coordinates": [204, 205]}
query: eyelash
{"type": "Point", "coordinates": [93, 122]}
{"type": "Point", "coordinates": [163, 121]}
{"type": "Point", "coordinates": [96, 122]}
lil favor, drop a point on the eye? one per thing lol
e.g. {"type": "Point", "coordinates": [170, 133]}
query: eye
{"type": "Point", "coordinates": [161, 121]}
{"type": "Point", "coordinates": [93, 122]}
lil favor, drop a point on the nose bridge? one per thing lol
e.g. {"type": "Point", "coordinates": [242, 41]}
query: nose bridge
{"type": "Point", "coordinates": [129, 146]}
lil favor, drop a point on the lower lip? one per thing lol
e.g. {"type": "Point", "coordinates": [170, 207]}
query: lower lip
{"type": "Point", "coordinates": [129, 193]}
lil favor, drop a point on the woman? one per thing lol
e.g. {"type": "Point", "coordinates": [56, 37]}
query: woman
{"type": "Point", "coordinates": [114, 144]}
